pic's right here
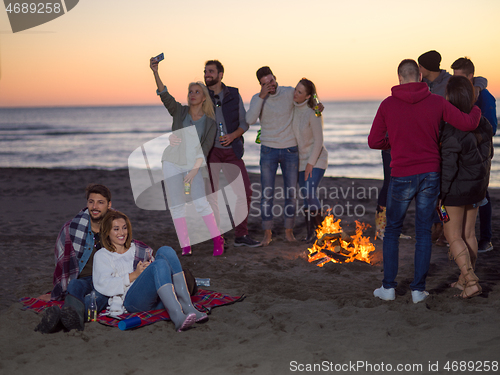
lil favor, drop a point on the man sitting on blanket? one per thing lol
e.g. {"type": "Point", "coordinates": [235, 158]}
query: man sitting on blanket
{"type": "Point", "coordinates": [76, 245]}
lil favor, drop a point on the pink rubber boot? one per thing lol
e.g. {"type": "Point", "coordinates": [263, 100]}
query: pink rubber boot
{"type": "Point", "coordinates": [182, 234]}
{"type": "Point", "coordinates": [215, 234]}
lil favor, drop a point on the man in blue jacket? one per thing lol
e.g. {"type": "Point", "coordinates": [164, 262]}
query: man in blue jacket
{"type": "Point", "coordinates": [487, 103]}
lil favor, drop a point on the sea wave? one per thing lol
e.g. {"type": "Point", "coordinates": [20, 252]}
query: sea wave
{"type": "Point", "coordinates": [104, 138]}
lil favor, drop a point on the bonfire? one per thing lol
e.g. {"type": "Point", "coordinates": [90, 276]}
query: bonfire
{"type": "Point", "coordinates": [334, 245]}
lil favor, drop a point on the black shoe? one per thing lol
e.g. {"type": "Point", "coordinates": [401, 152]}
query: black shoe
{"type": "Point", "coordinates": [51, 320]}
{"type": "Point", "coordinates": [309, 228]}
{"type": "Point", "coordinates": [315, 220]}
{"type": "Point", "coordinates": [484, 246]}
{"type": "Point", "coordinates": [246, 240]}
{"type": "Point", "coordinates": [71, 319]}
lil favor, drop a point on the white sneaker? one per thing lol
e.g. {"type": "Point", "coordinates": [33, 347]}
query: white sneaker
{"type": "Point", "coordinates": [385, 294]}
{"type": "Point", "coordinates": [418, 296]}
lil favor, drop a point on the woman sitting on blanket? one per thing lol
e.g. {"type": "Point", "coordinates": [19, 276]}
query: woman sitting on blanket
{"type": "Point", "coordinates": [122, 273]}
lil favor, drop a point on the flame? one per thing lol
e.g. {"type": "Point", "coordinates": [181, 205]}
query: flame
{"type": "Point", "coordinates": [357, 247]}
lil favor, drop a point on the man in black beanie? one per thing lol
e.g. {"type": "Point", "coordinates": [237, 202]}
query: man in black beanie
{"type": "Point", "coordinates": [430, 61]}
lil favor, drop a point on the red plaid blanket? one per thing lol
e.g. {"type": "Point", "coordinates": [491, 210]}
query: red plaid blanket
{"type": "Point", "coordinates": [204, 301]}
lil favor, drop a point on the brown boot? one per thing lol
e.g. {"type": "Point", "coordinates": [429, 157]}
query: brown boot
{"type": "Point", "coordinates": [461, 255]}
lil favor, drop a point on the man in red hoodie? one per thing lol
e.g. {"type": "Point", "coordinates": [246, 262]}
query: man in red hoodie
{"type": "Point", "coordinates": [408, 123]}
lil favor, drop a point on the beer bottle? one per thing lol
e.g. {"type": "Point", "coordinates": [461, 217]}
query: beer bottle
{"type": "Point", "coordinates": [317, 112]}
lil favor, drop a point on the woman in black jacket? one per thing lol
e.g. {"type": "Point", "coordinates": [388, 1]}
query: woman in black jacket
{"type": "Point", "coordinates": [465, 173]}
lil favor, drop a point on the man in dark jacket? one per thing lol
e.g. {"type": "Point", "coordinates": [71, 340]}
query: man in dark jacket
{"type": "Point", "coordinates": [227, 153]}
{"type": "Point", "coordinates": [408, 122]}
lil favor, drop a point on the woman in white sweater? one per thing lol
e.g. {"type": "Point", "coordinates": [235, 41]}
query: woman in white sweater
{"type": "Point", "coordinates": [121, 272]}
{"type": "Point", "coordinates": [313, 157]}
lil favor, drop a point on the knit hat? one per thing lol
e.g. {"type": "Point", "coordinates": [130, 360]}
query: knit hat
{"type": "Point", "coordinates": [430, 61]}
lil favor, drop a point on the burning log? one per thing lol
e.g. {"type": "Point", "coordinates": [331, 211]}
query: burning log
{"type": "Point", "coordinates": [347, 251]}
{"type": "Point", "coordinates": [334, 237]}
{"type": "Point", "coordinates": [325, 255]}
{"type": "Point", "coordinates": [339, 257]}
{"type": "Point", "coordinates": [346, 237]}
{"type": "Point", "coordinates": [328, 237]}
{"type": "Point", "coordinates": [340, 250]}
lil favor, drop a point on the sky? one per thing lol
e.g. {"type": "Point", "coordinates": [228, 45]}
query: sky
{"type": "Point", "coordinates": [98, 53]}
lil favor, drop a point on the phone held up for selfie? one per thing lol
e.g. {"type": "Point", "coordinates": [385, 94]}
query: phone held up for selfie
{"type": "Point", "coordinates": [159, 57]}
{"type": "Point", "coordinates": [443, 215]}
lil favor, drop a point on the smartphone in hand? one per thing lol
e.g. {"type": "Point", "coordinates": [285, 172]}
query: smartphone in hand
{"type": "Point", "coordinates": [159, 57]}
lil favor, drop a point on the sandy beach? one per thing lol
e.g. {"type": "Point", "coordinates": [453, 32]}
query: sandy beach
{"type": "Point", "coordinates": [296, 317]}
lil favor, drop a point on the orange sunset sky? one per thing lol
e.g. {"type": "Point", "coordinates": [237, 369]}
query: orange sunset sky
{"type": "Point", "coordinates": [98, 53]}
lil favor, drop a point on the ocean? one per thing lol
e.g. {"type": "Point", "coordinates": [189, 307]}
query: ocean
{"type": "Point", "coordinates": [105, 137]}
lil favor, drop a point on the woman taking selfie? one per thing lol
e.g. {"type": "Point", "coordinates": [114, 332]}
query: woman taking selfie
{"type": "Point", "coordinates": [184, 160]}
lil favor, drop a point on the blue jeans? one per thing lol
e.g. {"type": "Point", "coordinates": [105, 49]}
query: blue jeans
{"type": "Point", "coordinates": [308, 190]}
{"type": "Point", "coordinates": [425, 189]}
{"type": "Point", "coordinates": [288, 160]}
{"type": "Point", "coordinates": [142, 295]}
{"type": "Point", "coordinates": [81, 289]}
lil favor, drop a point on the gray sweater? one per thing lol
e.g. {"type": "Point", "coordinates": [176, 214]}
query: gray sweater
{"type": "Point", "coordinates": [275, 113]}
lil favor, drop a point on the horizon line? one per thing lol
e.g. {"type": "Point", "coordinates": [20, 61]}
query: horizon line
{"type": "Point", "coordinates": [157, 104]}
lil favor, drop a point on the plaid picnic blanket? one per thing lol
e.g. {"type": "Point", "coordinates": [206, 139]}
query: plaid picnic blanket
{"type": "Point", "coordinates": [204, 301]}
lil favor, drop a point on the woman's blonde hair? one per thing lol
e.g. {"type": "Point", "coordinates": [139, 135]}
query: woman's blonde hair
{"type": "Point", "coordinates": [107, 225]}
{"type": "Point", "coordinates": [207, 106]}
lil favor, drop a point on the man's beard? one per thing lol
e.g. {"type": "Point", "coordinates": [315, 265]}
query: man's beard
{"type": "Point", "coordinates": [97, 219]}
{"type": "Point", "coordinates": [212, 82]}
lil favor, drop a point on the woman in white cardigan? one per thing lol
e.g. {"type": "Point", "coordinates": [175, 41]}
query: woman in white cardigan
{"type": "Point", "coordinates": [313, 157]}
{"type": "Point", "coordinates": [137, 284]}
